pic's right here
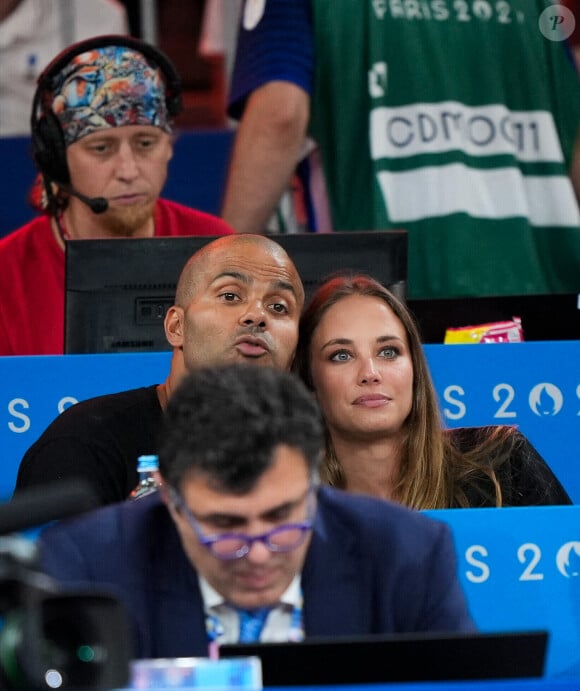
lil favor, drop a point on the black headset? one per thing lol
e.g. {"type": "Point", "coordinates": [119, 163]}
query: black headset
{"type": "Point", "coordinates": [48, 145]}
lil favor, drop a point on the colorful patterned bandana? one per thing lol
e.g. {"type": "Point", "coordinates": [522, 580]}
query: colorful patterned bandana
{"type": "Point", "coordinates": [108, 87]}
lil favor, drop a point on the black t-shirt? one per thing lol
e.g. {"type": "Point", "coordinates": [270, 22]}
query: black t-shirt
{"type": "Point", "coordinates": [525, 478]}
{"type": "Point", "coordinates": [97, 440]}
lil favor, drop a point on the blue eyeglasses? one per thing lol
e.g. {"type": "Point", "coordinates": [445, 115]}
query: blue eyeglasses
{"type": "Point", "coordinates": [228, 546]}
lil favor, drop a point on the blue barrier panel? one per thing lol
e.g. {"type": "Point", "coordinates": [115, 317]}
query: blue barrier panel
{"type": "Point", "coordinates": [520, 569]}
{"type": "Point", "coordinates": [534, 385]}
{"type": "Point", "coordinates": [35, 389]}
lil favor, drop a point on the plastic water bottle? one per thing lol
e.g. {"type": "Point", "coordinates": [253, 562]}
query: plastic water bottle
{"type": "Point", "coordinates": [149, 478]}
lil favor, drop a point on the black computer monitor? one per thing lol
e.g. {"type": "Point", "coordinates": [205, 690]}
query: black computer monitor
{"type": "Point", "coordinates": [411, 657]}
{"type": "Point", "coordinates": [118, 291]}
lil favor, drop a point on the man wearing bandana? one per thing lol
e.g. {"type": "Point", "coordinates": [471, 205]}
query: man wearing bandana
{"type": "Point", "coordinates": [108, 106]}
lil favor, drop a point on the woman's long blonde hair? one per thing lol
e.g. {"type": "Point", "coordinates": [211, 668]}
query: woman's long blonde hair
{"type": "Point", "coordinates": [432, 470]}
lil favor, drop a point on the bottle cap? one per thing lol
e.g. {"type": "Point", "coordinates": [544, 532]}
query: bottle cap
{"type": "Point", "coordinates": [147, 462]}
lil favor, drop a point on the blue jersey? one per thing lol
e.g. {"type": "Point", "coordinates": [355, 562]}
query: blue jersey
{"type": "Point", "coordinates": [279, 47]}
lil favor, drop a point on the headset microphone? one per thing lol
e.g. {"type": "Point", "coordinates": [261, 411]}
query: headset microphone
{"type": "Point", "coordinates": [97, 205]}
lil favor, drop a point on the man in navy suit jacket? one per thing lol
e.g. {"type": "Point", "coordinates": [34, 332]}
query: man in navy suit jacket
{"type": "Point", "coordinates": [241, 524]}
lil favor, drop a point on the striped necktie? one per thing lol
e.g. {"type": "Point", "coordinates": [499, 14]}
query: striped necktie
{"type": "Point", "coordinates": [251, 623]}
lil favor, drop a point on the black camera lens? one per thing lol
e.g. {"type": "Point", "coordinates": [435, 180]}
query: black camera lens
{"type": "Point", "coordinates": [66, 641]}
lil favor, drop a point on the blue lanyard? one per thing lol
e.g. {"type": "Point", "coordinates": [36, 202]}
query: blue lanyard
{"type": "Point", "coordinates": [215, 630]}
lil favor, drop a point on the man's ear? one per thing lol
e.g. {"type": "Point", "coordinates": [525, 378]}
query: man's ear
{"type": "Point", "coordinates": [174, 326]}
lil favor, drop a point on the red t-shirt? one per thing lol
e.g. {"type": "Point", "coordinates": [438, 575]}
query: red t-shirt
{"type": "Point", "coordinates": [32, 277]}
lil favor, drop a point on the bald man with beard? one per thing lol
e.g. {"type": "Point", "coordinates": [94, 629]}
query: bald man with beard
{"type": "Point", "coordinates": [238, 299]}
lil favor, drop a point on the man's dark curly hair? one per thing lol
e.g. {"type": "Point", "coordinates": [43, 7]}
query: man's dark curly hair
{"type": "Point", "coordinates": [227, 422]}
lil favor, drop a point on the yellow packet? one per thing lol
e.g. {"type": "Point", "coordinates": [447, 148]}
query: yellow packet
{"type": "Point", "coordinates": [493, 332]}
